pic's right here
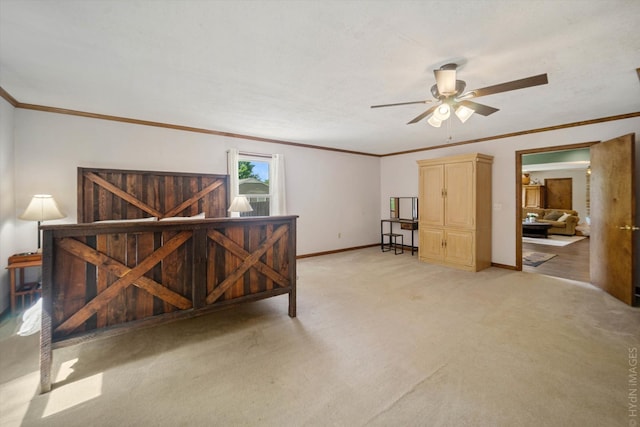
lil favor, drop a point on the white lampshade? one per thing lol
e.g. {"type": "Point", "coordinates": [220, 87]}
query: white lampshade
{"type": "Point", "coordinates": [42, 207]}
{"type": "Point", "coordinates": [464, 113]}
{"type": "Point", "coordinates": [446, 81]}
{"type": "Point", "coordinates": [240, 204]}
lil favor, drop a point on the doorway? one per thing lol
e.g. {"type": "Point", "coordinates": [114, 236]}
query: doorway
{"type": "Point", "coordinates": [563, 255]}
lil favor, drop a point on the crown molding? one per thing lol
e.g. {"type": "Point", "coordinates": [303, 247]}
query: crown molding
{"type": "Point", "coordinates": [10, 99]}
{"type": "Point", "coordinates": [17, 104]}
{"type": "Point", "coordinates": [520, 133]}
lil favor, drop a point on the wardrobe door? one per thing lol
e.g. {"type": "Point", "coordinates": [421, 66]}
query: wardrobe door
{"type": "Point", "coordinates": [431, 195]}
{"type": "Point", "coordinates": [432, 244]}
{"type": "Point", "coordinates": [459, 247]}
{"type": "Point", "coordinates": [459, 194]}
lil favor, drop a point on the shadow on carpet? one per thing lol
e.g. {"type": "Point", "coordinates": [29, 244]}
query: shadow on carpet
{"type": "Point", "coordinates": [534, 259]}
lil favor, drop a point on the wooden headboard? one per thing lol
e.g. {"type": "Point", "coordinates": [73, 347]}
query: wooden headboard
{"type": "Point", "coordinates": [107, 194]}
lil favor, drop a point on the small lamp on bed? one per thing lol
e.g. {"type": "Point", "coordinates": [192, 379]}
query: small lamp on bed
{"type": "Point", "coordinates": [240, 204]}
{"type": "Point", "coordinates": [42, 207]}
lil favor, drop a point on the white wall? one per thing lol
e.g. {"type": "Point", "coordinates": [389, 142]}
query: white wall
{"type": "Point", "coordinates": [333, 193]}
{"type": "Point", "coordinates": [578, 190]}
{"type": "Point", "coordinates": [399, 174]}
{"type": "Point", "coordinates": [7, 199]}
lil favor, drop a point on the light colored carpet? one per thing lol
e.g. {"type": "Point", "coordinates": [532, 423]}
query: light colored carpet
{"type": "Point", "coordinates": [554, 240]}
{"type": "Point", "coordinates": [534, 259]}
{"type": "Point", "coordinates": [380, 340]}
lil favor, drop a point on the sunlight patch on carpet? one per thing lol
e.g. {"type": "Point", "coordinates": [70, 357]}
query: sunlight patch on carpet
{"type": "Point", "coordinates": [74, 393]}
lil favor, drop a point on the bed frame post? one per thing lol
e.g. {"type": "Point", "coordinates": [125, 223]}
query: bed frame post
{"type": "Point", "coordinates": [47, 310]}
{"type": "Point", "coordinates": [292, 266]}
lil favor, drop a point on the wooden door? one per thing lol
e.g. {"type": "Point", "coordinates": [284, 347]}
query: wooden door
{"type": "Point", "coordinates": [612, 216]}
{"type": "Point", "coordinates": [559, 193]}
{"type": "Point", "coordinates": [431, 190]}
{"type": "Point", "coordinates": [459, 194]}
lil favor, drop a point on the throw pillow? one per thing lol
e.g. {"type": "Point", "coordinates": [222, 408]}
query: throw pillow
{"type": "Point", "coordinates": [564, 217]}
{"type": "Point", "coordinates": [553, 215]}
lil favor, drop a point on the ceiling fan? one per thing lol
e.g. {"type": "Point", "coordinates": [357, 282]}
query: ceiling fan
{"type": "Point", "coordinates": [450, 95]}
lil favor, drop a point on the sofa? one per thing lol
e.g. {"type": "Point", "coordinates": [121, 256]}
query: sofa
{"type": "Point", "coordinates": [551, 215]}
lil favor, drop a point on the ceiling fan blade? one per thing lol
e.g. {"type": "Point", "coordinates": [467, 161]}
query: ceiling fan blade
{"type": "Point", "coordinates": [402, 103]}
{"type": "Point", "coordinates": [483, 110]}
{"type": "Point", "coordinates": [540, 79]}
{"type": "Point", "coordinates": [423, 115]}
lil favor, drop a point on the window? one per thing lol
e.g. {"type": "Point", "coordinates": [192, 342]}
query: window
{"type": "Point", "coordinates": [253, 183]}
{"type": "Point", "coordinates": [260, 178]}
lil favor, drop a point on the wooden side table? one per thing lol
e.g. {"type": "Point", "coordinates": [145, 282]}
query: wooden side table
{"type": "Point", "coordinates": [20, 289]}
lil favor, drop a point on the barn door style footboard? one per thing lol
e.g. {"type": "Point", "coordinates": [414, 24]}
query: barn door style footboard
{"type": "Point", "coordinates": [107, 278]}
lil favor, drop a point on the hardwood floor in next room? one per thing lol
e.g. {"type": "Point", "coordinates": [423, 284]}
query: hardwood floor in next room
{"type": "Point", "coordinates": [571, 262]}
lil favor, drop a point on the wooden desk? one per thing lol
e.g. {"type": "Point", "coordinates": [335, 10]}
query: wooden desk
{"type": "Point", "coordinates": [405, 224]}
{"type": "Point", "coordinates": [20, 289]}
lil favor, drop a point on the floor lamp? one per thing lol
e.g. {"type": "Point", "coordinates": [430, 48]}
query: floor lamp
{"type": "Point", "coordinates": [42, 207]}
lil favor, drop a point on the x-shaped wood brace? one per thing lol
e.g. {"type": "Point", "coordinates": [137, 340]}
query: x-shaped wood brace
{"type": "Point", "coordinates": [127, 276]}
{"type": "Point", "coordinates": [249, 260]}
{"type": "Point", "coordinates": [141, 205]}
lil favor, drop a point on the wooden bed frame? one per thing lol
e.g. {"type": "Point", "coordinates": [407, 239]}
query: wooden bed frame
{"type": "Point", "coordinates": [106, 278]}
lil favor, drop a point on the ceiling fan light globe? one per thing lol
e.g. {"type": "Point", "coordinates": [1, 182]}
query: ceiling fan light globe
{"type": "Point", "coordinates": [464, 113]}
{"type": "Point", "coordinates": [433, 121]}
{"type": "Point", "coordinates": [442, 113]}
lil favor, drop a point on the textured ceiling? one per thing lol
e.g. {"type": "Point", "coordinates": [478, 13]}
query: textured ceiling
{"type": "Point", "coordinates": [308, 71]}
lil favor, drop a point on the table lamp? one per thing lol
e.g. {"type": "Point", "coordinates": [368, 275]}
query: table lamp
{"type": "Point", "coordinates": [42, 207]}
{"type": "Point", "coordinates": [240, 204]}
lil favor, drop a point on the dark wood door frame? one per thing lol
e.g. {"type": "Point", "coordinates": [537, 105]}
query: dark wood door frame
{"type": "Point", "coordinates": [518, 172]}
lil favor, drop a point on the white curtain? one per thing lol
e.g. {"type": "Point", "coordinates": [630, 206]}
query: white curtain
{"type": "Point", "coordinates": [278, 195]}
{"type": "Point", "coordinates": [232, 170]}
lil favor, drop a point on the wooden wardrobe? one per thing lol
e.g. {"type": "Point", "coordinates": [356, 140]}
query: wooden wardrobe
{"type": "Point", "coordinates": [533, 196]}
{"type": "Point", "coordinates": [455, 211]}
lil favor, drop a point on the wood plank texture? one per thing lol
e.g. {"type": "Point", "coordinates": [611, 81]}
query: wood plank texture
{"type": "Point", "coordinates": [114, 289]}
{"type": "Point", "coordinates": [107, 194]}
{"type": "Point", "coordinates": [234, 259]}
{"type": "Point", "coordinates": [248, 262]}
